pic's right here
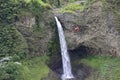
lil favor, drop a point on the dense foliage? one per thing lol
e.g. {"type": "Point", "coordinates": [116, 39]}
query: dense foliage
{"type": "Point", "coordinates": [13, 71]}
{"type": "Point", "coordinates": [72, 7]}
{"type": "Point", "coordinates": [11, 41]}
{"type": "Point", "coordinates": [107, 67]}
{"type": "Point", "coordinates": [9, 10]}
{"type": "Point", "coordinates": [36, 68]}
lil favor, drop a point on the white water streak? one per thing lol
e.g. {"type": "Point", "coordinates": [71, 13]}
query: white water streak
{"type": "Point", "coordinates": [67, 73]}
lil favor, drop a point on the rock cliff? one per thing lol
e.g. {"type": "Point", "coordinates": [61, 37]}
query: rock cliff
{"type": "Point", "coordinates": [98, 28]}
{"type": "Point", "coordinates": [37, 33]}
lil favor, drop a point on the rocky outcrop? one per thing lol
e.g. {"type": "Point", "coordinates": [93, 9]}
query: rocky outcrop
{"type": "Point", "coordinates": [98, 29]}
{"type": "Point", "coordinates": [36, 31]}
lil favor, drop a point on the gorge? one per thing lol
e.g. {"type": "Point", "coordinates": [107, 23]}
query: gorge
{"type": "Point", "coordinates": [30, 38]}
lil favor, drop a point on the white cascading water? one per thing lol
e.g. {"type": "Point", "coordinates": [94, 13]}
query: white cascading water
{"type": "Point", "coordinates": [67, 73]}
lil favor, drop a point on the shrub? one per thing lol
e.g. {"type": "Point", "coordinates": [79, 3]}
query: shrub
{"type": "Point", "coordinates": [11, 41]}
{"type": "Point", "coordinates": [72, 7]}
{"type": "Point", "coordinates": [13, 71]}
{"type": "Point", "coordinates": [9, 10]}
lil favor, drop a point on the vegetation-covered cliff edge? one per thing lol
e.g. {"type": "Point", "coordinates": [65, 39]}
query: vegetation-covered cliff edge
{"type": "Point", "coordinates": [29, 44]}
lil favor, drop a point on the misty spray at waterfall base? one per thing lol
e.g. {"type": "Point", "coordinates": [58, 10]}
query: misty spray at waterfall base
{"type": "Point", "coordinates": [67, 73]}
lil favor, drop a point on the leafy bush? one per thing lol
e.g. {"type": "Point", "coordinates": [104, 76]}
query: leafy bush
{"type": "Point", "coordinates": [107, 67]}
{"type": "Point", "coordinates": [9, 10]}
{"type": "Point", "coordinates": [11, 41]}
{"type": "Point", "coordinates": [13, 71]}
{"type": "Point", "coordinates": [71, 8]}
{"type": "Point", "coordinates": [37, 68]}
{"type": "Point", "coordinates": [37, 6]}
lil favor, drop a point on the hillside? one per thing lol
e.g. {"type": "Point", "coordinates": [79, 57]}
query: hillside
{"type": "Point", "coordinates": [29, 41]}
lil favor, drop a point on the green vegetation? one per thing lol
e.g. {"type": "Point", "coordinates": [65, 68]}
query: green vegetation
{"type": "Point", "coordinates": [58, 3]}
{"type": "Point", "coordinates": [11, 41]}
{"type": "Point", "coordinates": [13, 71]}
{"type": "Point", "coordinates": [108, 67]}
{"type": "Point", "coordinates": [9, 10]}
{"type": "Point", "coordinates": [37, 68]}
{"type": "Point", "coordinates": [53, 44]}
{"type": "Point", "coordinates": [32, 69]}
{"type": "Point", "coordinates": [72, 7]}
{"type": "Point", "coordinates": [37, 7]}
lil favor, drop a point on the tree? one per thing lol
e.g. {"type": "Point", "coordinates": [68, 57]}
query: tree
{"type": "Point", "coordinates": [9, 10]}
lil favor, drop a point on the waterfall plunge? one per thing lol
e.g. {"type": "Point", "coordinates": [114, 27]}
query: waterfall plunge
{"type": "Point", "coordinates": [67, 73]}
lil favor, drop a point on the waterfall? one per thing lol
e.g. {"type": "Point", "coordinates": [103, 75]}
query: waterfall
{"type": "Point", "coordinates": [67, 73]}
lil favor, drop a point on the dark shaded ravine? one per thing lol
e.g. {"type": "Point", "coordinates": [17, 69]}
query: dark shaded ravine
{"type": "Point", "coordinates": [80, 70]}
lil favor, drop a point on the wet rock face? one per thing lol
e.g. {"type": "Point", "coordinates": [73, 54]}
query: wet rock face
{"type": "Point", "coordinates": [79, 70]}
{"type": "Point", "coordinates": [98, 29]}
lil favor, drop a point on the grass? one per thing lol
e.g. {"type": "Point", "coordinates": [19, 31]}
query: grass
{"type": "Point", "coordinates": [72, 7]}
{"type": "Point", "coordinates": [108, 68]}
{"type": "Point", "coordinates": [37, 68]}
